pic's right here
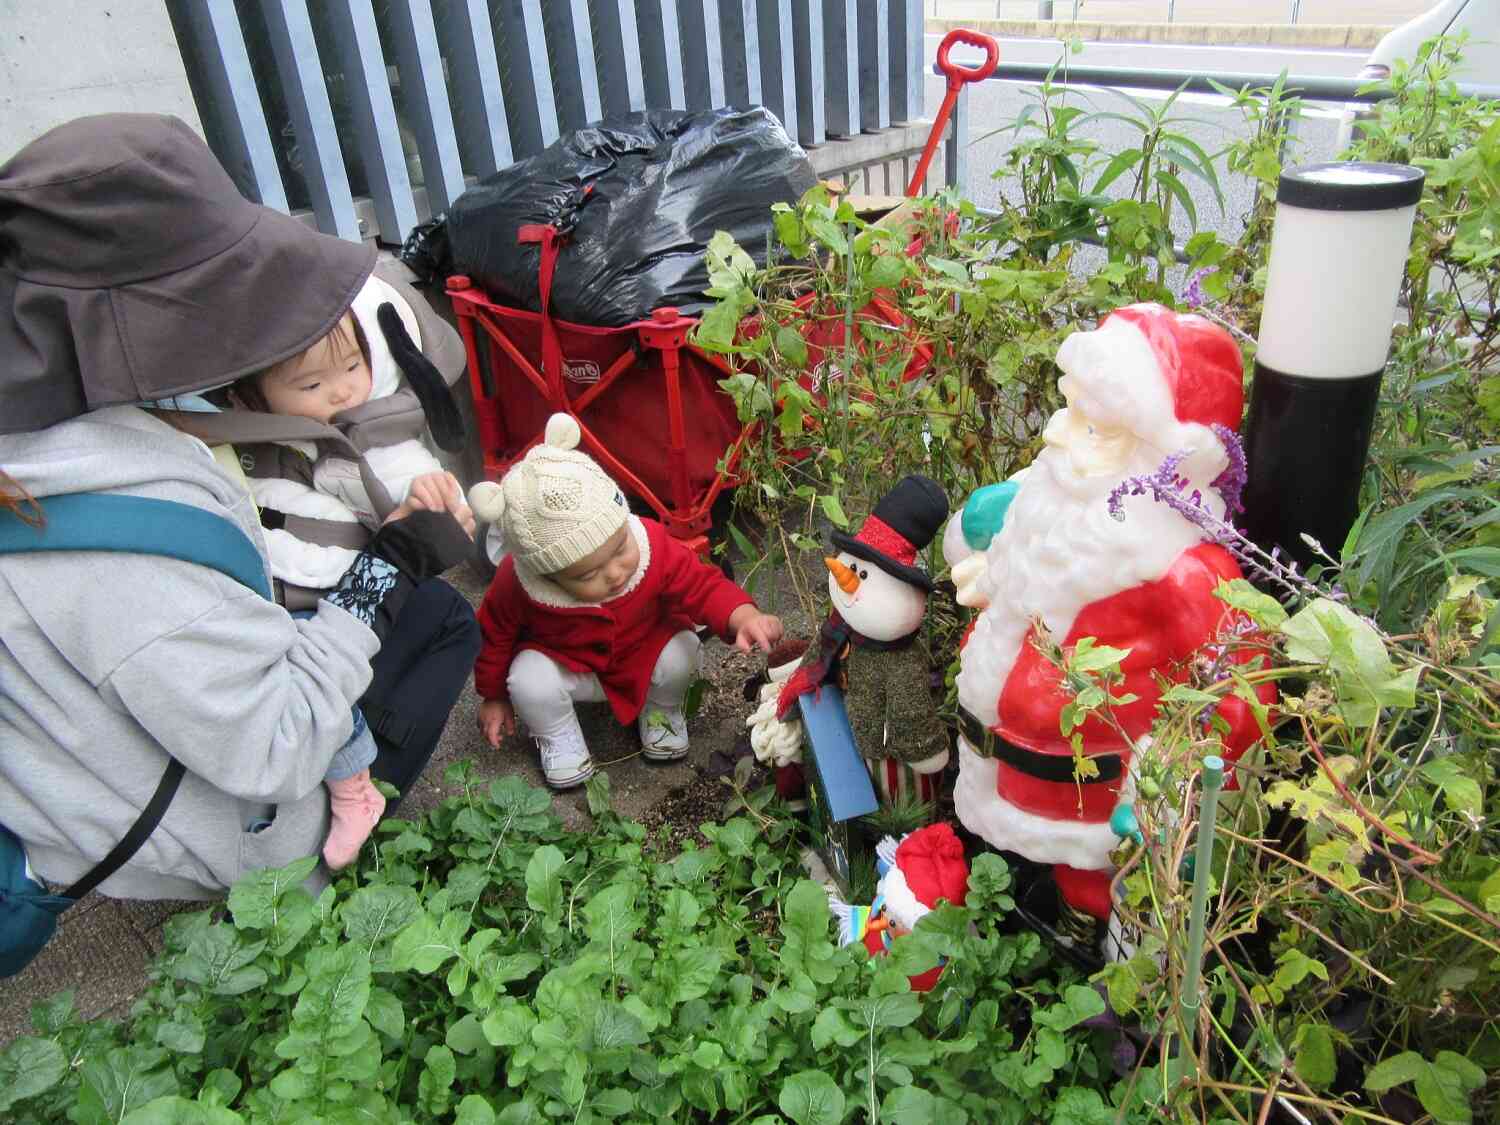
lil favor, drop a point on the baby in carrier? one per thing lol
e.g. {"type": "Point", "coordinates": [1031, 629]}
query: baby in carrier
{"type": "Point", "coordinates": [320, 500]}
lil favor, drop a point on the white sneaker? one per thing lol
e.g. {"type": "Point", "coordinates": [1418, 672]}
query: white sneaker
{"type": "Point", "coordinates": [664, 736]}
{"type": "Point", "coordinates": [565, 759]}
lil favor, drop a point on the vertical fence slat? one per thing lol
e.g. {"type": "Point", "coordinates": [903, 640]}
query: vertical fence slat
{"type": "Point", "coordinates": [529, 101]}
{"type": "Point", "coordinates": [476, 82]}
{"type": "Point", "coordinates": [778, 72]}
{"type": "Point", "coordinates": [841, 61]}
{"type": "Point", "coordinates": [301, 75]}
{"type": "Point", "coordinates": [575, 76]}
{"type": "Point", "coordinates": [875, 65]}
{"type": "Point", "coordinates": [424, 91]}
{"type": "Point", "coordinates": [807, 52]}
{"type": "Point", "coordinates": [236, 102]}
{"type": "Point", "coordinates": [739, 32]}
{"type": "Point", "coordinates": [955, 147]}
{"type": "Point", "coordinates": [622, 88]}
{"type": "Point", "coordinates": [908, 91]}
{"type": "Point", "coordinates": [375, 130]}
{"type": "Point", "coordinates": [702, 55]}
{"type": "Point", "coordinates": [661, 52]}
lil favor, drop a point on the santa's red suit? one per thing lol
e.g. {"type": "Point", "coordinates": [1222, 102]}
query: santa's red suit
{"type": "Point", "coordinates": [1147, 383]}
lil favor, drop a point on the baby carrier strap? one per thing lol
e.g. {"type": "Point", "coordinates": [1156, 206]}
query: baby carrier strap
{"type": "Point", "coordinates": [252, 427]}
{"type": "Point", "coordinates": [107, 522]}
{"type": "Point", "coordinates": [384, 421]}
{"type": "Point", "coordinates": [272, 461]}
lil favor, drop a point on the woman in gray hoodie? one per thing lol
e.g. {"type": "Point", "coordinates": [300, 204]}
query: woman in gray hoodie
{"type": "Point", "coordinates": [132, 270]}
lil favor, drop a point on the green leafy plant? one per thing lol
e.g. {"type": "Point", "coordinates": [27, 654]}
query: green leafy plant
{"type": "Point", "coordinates": [486, 965]}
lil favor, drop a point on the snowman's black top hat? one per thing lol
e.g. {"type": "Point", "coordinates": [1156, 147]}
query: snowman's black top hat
{"type": "Point", "coordinates": [905, 521]}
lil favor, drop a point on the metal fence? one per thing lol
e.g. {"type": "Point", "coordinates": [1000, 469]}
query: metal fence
{"type": "Point", "coordinates": [375, 114]}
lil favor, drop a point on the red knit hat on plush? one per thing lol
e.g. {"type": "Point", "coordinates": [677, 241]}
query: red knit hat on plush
{"type": "Point", "coordinates": [932, 861]}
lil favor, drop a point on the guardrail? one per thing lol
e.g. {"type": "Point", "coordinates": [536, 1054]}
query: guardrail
{"type": "Point", "coordinates": [1192, 81]}
{"type": "Point", "coordinates": [1134, 11]}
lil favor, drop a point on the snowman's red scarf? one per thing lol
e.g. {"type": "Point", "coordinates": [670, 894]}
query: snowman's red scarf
{"type": "Point", "coordinates": [821, 667]}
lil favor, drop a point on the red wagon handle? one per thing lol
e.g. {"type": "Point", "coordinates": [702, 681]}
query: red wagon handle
{"type": "Point", "coordinates": [957, 75]}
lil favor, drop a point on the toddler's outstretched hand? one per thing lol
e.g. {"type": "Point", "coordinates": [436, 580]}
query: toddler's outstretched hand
{"type": "Point", "coordinates": [754, 629]}
{"type": "Point", "coordinates": [438, 492]}
{"type": "Point", "coordinates": [496, 716]}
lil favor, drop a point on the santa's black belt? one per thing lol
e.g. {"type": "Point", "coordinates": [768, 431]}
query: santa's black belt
{"type": "Point", "coordinates": [1043, 767]}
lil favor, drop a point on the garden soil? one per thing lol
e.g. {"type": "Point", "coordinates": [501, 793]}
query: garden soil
{"type": "Point", "coordinates": [103, 948]}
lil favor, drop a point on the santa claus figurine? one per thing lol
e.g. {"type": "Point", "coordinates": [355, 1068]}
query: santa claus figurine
{"type": "Point", "coordinates": [872, 648]}
{"type": "Point", "coordinates": [925, 868]}
{"type": "Point", "coordinates": [1146, 384]}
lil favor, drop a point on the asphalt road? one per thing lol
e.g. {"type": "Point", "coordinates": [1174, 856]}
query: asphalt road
{"type": "Point", "coordinates": [1208, 119]}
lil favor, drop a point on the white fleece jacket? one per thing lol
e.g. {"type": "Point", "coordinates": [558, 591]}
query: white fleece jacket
{"type": "Point", "coordinates": [337, 492]}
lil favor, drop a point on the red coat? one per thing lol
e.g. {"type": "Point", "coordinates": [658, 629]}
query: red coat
{"type": "Point", "coordinates": [618, 641]}
{"type": "Point", "coordinates": [1164, 624]}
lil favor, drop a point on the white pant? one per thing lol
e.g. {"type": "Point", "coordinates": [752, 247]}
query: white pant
{"type": "Point", "coordinates": [543, 692]}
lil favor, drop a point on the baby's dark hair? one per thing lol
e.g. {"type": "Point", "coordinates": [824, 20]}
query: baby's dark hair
{"type": "Point", "coordinates": [246, 392]}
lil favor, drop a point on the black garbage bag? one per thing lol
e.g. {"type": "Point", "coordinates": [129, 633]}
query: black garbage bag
{"type": "Point", "coordinates": [638, 197]}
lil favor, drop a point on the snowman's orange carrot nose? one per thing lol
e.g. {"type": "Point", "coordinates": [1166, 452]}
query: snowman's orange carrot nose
{"type": "Point", "coordinates": [848, 581]}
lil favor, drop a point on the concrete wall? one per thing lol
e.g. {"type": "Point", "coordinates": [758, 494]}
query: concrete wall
{"type": "Point", "coordinates": [61, 59]}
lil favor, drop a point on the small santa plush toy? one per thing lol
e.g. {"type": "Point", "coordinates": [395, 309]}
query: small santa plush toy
{"type": "Point", "coordinates": [926, 867]}
{"type": "Point", "coordinates": [871, 645]}
{"type": "Point", "coordinates": [1146, 384]}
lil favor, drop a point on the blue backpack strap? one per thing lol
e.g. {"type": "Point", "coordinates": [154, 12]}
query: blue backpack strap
{"type": "Point", "coordinates": [86, 521]}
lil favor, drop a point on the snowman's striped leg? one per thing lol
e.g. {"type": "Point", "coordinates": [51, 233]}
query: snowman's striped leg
{"type": "Point", "coordinates": [900, 781]}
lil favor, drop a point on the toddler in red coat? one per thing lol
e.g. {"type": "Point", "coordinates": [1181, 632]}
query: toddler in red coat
{"type": "Point", "coordinates": [592, 604]}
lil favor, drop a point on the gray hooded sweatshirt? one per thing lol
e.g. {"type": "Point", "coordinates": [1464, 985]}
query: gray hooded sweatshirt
{"type": "Point", "coordinates": [110, 662]}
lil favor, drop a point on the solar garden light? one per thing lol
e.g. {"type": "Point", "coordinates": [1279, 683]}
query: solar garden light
{"type": "Point", "coordinates": [1338, 252]}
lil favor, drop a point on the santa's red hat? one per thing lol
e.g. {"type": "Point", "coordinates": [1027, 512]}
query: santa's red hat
{"type": "Point", "coordinates": [1164, 376]}
{"type": "Point", "coordinates": [1198, 359]}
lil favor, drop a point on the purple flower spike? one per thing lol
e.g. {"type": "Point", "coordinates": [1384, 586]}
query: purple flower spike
{"type": "Point", "coordinates": [1231, 482]}
{"type": "Point", "coordinates": [1192, 292]}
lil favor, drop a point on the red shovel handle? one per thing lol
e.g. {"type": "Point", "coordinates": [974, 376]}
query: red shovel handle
{"type": "Point", "coordinates": [957, 73]}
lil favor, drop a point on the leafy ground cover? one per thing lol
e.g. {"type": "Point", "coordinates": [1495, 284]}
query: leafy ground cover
{"type": "Point", "coordinates": [489, 966]}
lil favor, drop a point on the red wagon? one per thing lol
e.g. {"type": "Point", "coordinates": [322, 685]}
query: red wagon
{"type": "Point", "coordinates": [647, 402]}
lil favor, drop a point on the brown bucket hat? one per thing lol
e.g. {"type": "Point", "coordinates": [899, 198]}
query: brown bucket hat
{"type": "Point", "coordinates": [132, 269]}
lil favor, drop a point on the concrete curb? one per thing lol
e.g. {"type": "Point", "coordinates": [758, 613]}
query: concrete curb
{"type": "Point", "coordinates": [1203, 34]}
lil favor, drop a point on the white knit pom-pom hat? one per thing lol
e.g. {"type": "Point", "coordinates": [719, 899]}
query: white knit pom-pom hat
{"type": "Point", "coordinates": [556, 505]}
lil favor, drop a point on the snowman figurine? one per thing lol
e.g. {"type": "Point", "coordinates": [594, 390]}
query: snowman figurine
{"type": "Point", "coordinates": [871, 647]}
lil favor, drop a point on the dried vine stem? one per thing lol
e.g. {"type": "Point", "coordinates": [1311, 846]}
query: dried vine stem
{"type": "Point", "coordinates": [1438, 888]}
{"type": "Point", "coordinates": [1354, 802]}
{"type": "Point", "coordinates": [1311, 1099]}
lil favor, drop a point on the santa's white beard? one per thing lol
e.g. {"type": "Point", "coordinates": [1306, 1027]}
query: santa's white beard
{"type": "Point", "coordinates": [1059, 551]}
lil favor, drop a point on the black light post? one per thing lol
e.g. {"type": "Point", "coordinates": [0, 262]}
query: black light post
{"type": "Point", "coordinates": [1338, 251]}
